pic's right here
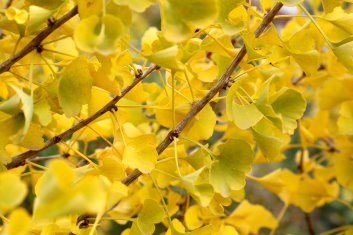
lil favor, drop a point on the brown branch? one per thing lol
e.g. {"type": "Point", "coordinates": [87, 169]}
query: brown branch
{"type": "Point", "coordinates": [44, 158]}
{"type": "Point", "coordinates": [198, 105]}
{"type": "Point", "coordinates": [21, 159]}
{"type": "Point", "coordinates": [35, 43]}
{"type": "Point", "coordinates": [8, 4]}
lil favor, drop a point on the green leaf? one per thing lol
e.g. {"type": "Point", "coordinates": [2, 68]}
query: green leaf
{"type": "Point", "coordinates": [74, 87]}
{"type": "Point", "coordinates": [181, 17]}
{"type": "Point", "coordinates": [291, 105]}
{"type": "Point", "coordinates": [269, 139]}
{"type": "Point", "coordinates": [233, 162]}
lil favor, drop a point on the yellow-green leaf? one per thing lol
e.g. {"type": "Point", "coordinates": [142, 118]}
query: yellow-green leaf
{"type": "Point", "coordinates": [269, 139]}
{"type": "Point", "coordinates": [74, 87]}
{"type": "Point", "coordinates": [99, 34]}
{"type": "Point", "coordinates": [13, 191]}
{"type": "Point", "coordinates": [140, 156]}
{"type": "Point", "coordinates": [345, 121]}
{"type": "Point", "coordinates": [151, 213]}
{"type": "Point", "coordinates": [19, 223]}
{"type": "Point", "coordinates": [233, 162]}
{"type": "Point", "coordinates": [181, 17]}
{"type": "Point", "coordinates": [136, 5]}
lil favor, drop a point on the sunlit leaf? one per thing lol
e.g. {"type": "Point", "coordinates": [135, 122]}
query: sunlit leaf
{"type": "Point", "coordinates": [233, 162]}
{"type": "Point", "coordinates": [74, 87]}
{"type": "Point", "coordinates": [181, 17]}
{"type": "Point", "coordinates": [13, 191]}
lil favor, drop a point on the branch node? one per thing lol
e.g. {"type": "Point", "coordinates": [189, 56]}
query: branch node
{"type": "Point", "coordinates": [113, 109]}
{"type": "Point", "coordinates": [40, 48]}
{"type": "Point", "coordinates": [139, 73]}
{"type": "Point", "coordinates": [51, 21]}
{"type": "Point", "coordinates": [83, 221]}
{"type": "Point", "coordinates": [57, 139]}
{"type": "Point", "coordinates": [66, 155]}
{"type": "Point", "coordinates": [174, 134]}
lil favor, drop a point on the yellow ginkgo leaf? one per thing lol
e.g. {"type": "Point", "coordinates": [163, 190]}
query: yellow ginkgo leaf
{"type": "Point", "coordinates": [344, 54]}
{"type": "Point", "coordinates": [249, 218]}
{"type": "Point", "coordinates": [112, 168]}
{"type": "Point", "coordinates": [198, 187]}
{"type": "Point", "coordinates": [192, 219]}
{"type": "Point", "coordinates": [74, 87]}
{"type": "Point", "coordinates": [330, 5]}
{"type": "Point", "coordinates": [87, 8]}
{"type": "Point", "coordinates": [99, 34]}
{"type": "Point", "coordinates": [335, 91]}
{"type": "Point", "coordinates": [37, 17]}
{"type": "Point", "coordinates": [181, 17]}
{"type": "Point", "coordinates": [345, 121]}
{"type": "Point", "coordinates": [343, 168]}
{"type": "Point", "coordinates": [231, 15]}
{"type": "Point", "coordinates": [34, 138]}
{"type": "Point", "coordinates": [269, 139]}
{"type": "Point", "coordinates": [13, 125]}
{"type": "Point", "coordinates": [313, 193]}
{"type": "Point", "coordinates": [136, 5]}
{"type": "Point", "coordinates": [151, 213]}
{"type": "Point", "coordinates": [339, 17]}
{"type": "Point", "coordinates": [27, 107]}
{"type": "Point", "coordinates": [166, 58]}
{"type": "Point", "coordinates": [142, 157]}
{"type": "Point", "coordinates": [116, 192]}
{"type": "Point", "coordinates": [78, 193]}
{"type": "Point", "coordinates": [228, 171]}
{"type": "Point", "coordinates": [20, 16]}
{"type": "Point", "coordinates": [12, 191]}
{"type": "Point", "coordinates": [19, 223]}
{"type": "Point", "coordinates": [290, 104]}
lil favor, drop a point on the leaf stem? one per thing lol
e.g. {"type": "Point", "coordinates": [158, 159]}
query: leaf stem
{"type": "Point", "coordinates": [317, 26]}
{"type": "Point", "coordinates": [200, 145]}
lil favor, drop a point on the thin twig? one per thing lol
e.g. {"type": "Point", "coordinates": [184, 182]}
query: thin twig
{"type": "Point", "coordinates": [36, 42]}
{"type": "Point", "coordinates": [20, 160]}
{"type": "Point", "coordinates": [44, 158]}
{"type": "Point", "coordinates": [8, 4]}
{"type": "Point", "coordinates": [197, 106]}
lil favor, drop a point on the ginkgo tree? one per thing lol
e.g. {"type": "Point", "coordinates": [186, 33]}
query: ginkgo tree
{"type": "Point", "coordinates": [109, 120]}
